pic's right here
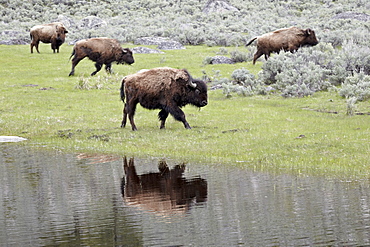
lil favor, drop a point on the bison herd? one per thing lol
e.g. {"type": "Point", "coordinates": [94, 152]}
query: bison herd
{"type": "Point", "coordinates": [166, 89]}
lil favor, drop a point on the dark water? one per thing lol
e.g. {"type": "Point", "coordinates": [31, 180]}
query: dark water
{"type": "Point", "coordinates": [57, 199]}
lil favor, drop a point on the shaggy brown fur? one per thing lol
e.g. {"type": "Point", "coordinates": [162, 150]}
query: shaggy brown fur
{"type": "Point", "coordinates": [54, 33]}
{"type": "Point", "coordinates": [101, 51]}
{"type": "Point", "coordinates": [287, 39]}
{"type": "Point", "coordinates": [164, 88]}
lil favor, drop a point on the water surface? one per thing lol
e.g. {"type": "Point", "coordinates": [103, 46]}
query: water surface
{"type": "Point", "coordinates": [57, 199]}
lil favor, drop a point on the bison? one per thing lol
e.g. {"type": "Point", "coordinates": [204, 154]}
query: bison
{"type": "Point", "coordinates": [164, 88]}
{"type": "Point", "coordinates": [165, 192]}
{"type": "Point", "coordinates": [54, 33]}
{"type": "Point", "coordinates": [287, 39]}
{"type": "Point", "coordinates": [101, 51]}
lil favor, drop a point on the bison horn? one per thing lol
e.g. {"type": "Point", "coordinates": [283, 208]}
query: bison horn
{"type": "Point", "coordinates": [191, 84]}
{"type": "Point", "coordinates": [190, 80]}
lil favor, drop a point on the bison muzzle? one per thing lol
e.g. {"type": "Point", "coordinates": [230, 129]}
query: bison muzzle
{"type": "Point", "coordinates": [164, 88]}
{"type": "Point", "coordinates": [287, 39]}
{"type": "Point", "coordinates": [101, 51]}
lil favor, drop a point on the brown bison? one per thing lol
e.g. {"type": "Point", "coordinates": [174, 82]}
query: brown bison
{"type": "Point", "coordinates": [164, 88]}
{"type": "Point", "coordinates": [54, 33]}
{"type": "Point", "coordinates": [101, 51]}
{"type": "Point", "coordinates": [165, 192]}
{"type": "Point", "coordinates": [287, 39]}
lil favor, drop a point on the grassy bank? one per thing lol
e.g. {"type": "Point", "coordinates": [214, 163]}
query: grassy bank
{"type": "Point", "coordinates": [311, 135]}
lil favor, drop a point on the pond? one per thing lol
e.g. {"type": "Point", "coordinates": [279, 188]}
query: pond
{"type": "Point", "coordinates": [58, 199]}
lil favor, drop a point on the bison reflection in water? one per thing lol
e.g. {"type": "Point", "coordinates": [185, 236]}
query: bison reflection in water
{"type": "Point", "coordinates": [165, 192]}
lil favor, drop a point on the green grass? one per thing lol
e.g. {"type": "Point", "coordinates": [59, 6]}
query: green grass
{"type": "Point", "coordinates": [264, 133]}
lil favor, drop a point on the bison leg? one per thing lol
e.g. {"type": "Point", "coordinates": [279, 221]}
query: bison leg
{"type": "Point", "coordinates": [124, 119]}
{"type": "Point", "coordinates": [37, 47]}
{"type": "Point", "coordinates": [257, 55]}
{"type": "Point", "coordinates": [54, 47]}
{"type": "Point", "coordinates": [129, 109]}
{"type": "Point", "coordinates": [98, 68]}
{"type": "Point", "coordinates": [179, 115]}
{"type": "Point", "coordinates": [108, 68]}
{"type": "Point", "coordinates": [162, 115]}
{"type": "Point", "coordinates": [35, 44]}
{"type": "Point", "coordinates": [75, 61]}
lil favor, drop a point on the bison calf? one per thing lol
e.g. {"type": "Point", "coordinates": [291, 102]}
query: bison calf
{"type": "Point", "coordinates": [287, 39]}
{"type": "Point", "coordinates": [166, 89]}
{"type": "Point", "coordinates": [101, 51]}
{"type": "Point", "coordinates": [54, 33]}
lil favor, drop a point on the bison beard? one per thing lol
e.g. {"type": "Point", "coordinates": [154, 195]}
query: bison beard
{"type": "Point", "coordinates": [166, 89]}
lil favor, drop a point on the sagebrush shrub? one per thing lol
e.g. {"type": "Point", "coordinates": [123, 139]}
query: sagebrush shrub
{"type": "Point", "coordinates": [296, 75]}
{"type": "Point", "coordinates": [356, 86]}
{"type": "Point", "coordinates": [243, 83]}
{"type": "Point", "coordinates": [314, 69]}
{"type": "Point", "coordinates": [239, 56]}
{"type": "Point", "coordinates": [243, 77]}
{"type": "Point", "coordinates": [356, 58]}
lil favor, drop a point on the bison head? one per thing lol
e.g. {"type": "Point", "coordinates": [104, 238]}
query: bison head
{"type": "Point", "coordinates": [310, 38]}
{"type": "Point", "coordinates": [125, 57]}
{"type": "Point", "coordinates": [198, 93]}
{"type": "Point", "coordinates": [60, 34]}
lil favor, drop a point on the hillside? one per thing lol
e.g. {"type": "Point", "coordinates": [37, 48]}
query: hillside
{"type": "Point", "coordinates": [340, 62]}
{"type": "Point", "coordinates": [211, 22]}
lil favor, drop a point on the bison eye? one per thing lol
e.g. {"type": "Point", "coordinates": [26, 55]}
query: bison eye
{"type": "Point", "coordinates": [197, 91]}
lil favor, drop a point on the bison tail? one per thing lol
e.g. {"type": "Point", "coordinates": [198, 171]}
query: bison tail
{"type": "Point", "coordinates": [251, 41]}
{"type": "Point", "coordinates": [122, 90]}
{"type": "Point", "coordinates": [73, 53]}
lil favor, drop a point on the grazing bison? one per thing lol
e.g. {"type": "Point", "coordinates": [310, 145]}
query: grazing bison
{"type": "Point", "coordinates": [165, 192]}
{"type": "Point", "coordinates": [101, 51]}
{"type": "Point", "coordinates": [54, 33]}
{"type": "Point", "coordinates": [287, 39]}
{"type": "Point", "coordinates": [166, 89]}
